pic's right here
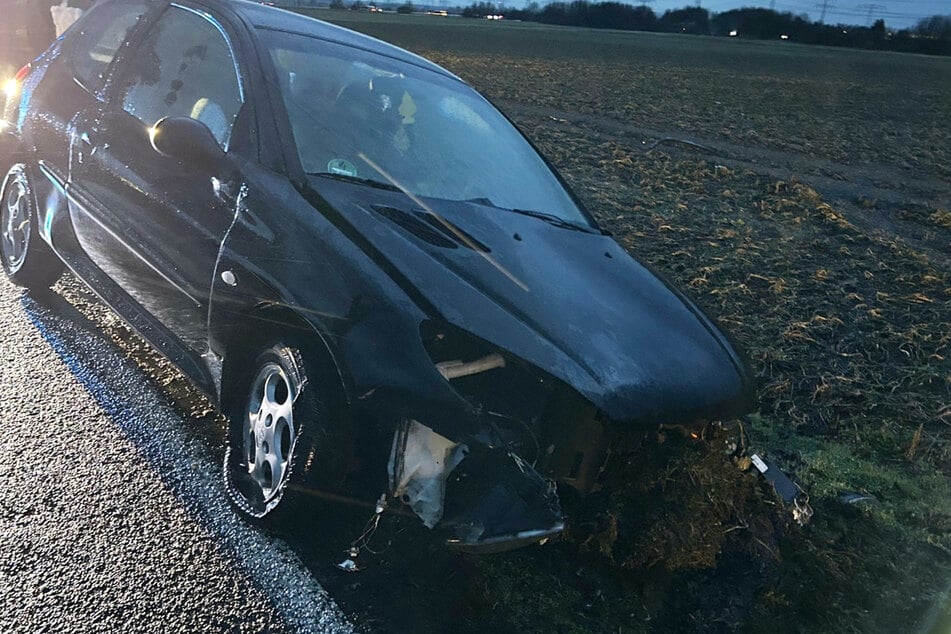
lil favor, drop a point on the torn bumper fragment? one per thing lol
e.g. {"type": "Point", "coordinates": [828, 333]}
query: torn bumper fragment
{"type": "Point", "coordinates": [495, 501]}
{"type": "Point", "coordinates": [420, 461]}
{"type": "Point", "coordinates": [487, 498]}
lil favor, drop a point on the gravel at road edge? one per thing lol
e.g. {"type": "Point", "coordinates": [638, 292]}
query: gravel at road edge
{"type": "Point", "coordinates": [114, 514]}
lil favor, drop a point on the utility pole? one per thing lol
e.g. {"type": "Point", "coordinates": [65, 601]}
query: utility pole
{"type": "Point", "coordinates": [872, 8]}
{"type": "Point", "coordinates": [772, 5]}
{"type": "Point", "coordinates": [825, 5]}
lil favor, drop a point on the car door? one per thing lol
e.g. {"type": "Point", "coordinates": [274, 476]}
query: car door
{"type": "Point", "coordinates": [72, 82]}
{"type": "Point", "coordinates": [151, 223]}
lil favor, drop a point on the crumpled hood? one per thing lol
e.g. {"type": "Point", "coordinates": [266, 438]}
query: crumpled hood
{"type": "Point", "coordinates": [571, 303]}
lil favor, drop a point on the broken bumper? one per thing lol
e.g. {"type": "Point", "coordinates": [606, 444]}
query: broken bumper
{"type": "Point", "coordinates": [488, 498]}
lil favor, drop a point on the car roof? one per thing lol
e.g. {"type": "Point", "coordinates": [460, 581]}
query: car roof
{"type": "Point", "coordinates": [269, 17]}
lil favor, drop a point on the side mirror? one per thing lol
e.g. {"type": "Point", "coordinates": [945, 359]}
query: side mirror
{"type": "Point", "coordinates": [188, 141]}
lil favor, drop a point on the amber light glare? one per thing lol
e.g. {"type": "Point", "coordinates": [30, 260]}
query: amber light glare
{"type": "Point", "coordinates": [10, 88]}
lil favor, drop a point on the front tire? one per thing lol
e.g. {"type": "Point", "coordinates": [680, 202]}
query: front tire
{"type": "Point", "coordinates": [26, 259]}
{"type": "Point", "coordinates": [272, 420]}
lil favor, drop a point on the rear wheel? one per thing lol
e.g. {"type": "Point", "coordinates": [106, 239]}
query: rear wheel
{"type": "Point", "coordinates": [26, 259]}
{"type": "Point", "coordinates": [279, 410]}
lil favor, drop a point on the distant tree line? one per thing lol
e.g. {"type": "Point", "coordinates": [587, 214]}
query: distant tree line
{"type": "Point", "coordinates": [930, 36]}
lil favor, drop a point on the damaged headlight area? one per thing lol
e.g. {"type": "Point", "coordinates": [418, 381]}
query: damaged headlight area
{"type": "Point", "coordinates": [521, 408]}
{"type": "Point", "coordinates": [487, 497]}
{"type": "Point", "coordinates": [495, 489]}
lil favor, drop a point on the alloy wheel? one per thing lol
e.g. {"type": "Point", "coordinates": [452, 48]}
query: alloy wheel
{"type": "Point", "coordinates": [15, 221]}
{"type": "Point", "coordinates": [269, 435]}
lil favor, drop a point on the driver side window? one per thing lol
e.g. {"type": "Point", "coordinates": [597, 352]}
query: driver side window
{"type": "Point", "coordinates": [102, 33]}
{"type": "Point", "coordinates": [184, 68]}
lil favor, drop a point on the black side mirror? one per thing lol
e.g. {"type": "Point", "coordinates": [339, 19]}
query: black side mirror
{"type": "Point", "coordinates": [188, 141]}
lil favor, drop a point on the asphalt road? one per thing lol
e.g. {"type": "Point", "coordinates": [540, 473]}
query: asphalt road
{"type": "Point", "coordinates": [112, 512]}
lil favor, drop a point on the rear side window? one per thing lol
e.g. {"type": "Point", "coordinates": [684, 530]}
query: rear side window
{"type": "Point", "coordinates": [99, 36]}
{"type": "Point", "coordinates": [184, 68]}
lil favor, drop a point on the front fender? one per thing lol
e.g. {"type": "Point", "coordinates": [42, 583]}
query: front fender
{"type": "Point", "coordinates": [282, 256]}
{"type": "Point", "coordinates": [10, 147]}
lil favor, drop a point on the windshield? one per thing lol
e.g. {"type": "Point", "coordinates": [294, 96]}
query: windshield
{"type": "Point", "coordinates": [359, 115]}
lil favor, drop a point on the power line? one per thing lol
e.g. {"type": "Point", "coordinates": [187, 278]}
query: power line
{"type": "Point", "coordinates": [853, 12]}
{"type": "Point", "coordinates": [881, 14]}
{"type": "Point", "coordinates": [825, 5]}
{"type": "Point", "coordinates": [872, 8]}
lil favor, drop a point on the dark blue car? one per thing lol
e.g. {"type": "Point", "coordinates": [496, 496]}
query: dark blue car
{"type": "Point", "coordinates": [374, 274]}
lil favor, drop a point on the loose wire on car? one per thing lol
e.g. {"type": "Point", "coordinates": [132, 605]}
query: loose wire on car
{"type": "Point", "coordinates": [362, 542]}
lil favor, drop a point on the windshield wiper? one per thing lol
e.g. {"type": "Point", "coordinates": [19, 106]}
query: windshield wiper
{"type": "Point", "coordinates": [369, 182]}
{"type": "Point", "coordinates": [549, 218]}
{"type": "Point", "coordinates": [555, 220]}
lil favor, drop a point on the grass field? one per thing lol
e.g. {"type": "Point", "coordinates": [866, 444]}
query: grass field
{"type": "Point", "coordinates": [809, 212]}
{"type": "Point", "coordinates": [847, 105]}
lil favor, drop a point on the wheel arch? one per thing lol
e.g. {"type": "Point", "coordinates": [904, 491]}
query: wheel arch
{"type": "Point", "coordinates": [11, 150]}
{"type": "Point", "coordinates": [269, 322]}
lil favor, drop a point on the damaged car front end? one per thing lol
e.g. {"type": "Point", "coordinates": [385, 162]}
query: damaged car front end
{"type": "Point", "coordinates": [545, 383]}
{"type": "Point", "coordinates": [492, 480]}
{"type": "Point", "coordinates": [547, 374]}
{"type": "Point", "coordinates": [489, 472]}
